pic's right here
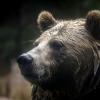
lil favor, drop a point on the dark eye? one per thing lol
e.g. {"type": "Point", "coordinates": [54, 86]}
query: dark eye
{"type": "Point", "coordinates": [56, 45]}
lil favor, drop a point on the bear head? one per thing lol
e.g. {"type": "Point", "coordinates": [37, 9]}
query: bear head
{"type": "Point", "coordinates": [66, 55]}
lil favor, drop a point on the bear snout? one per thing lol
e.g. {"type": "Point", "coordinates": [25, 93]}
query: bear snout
{"type": "Point", "coordinates": [25, 62]}
{"type": "Point", "coordinates": [24, 59]}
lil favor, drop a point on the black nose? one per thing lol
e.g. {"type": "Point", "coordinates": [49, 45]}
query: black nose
{"type": "Point", "coordinates": [24, 59]}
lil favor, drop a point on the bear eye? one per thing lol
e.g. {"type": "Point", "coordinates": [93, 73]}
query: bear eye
{"type": "Point", "coordinates": [56, 44]}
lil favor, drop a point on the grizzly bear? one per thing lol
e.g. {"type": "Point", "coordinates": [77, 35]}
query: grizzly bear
{"type": "Point", "coordinates": [64, 62]}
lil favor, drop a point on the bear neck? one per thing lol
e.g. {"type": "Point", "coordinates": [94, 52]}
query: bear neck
{"type": "Point", "coordinates": [40, 94]}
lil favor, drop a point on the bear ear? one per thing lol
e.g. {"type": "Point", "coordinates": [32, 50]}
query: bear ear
{"type": "Point", "coordinates": [45, 20]}
{"type": "Point", "coordinates": [93, 23]}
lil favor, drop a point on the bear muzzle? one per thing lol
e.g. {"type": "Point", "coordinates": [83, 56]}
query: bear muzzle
{"type": "Point", "coordinates": [25, 63]}
{"type": "Point", "coordinates": [24, 59]}
{"type": "Point", "coordinates": [29, 69]}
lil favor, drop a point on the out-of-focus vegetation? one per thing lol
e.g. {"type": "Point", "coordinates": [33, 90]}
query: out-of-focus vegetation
{"type": "Point", "coordinates": [14, 86]}
{"type": "Point", "coordinates": [18, 28]}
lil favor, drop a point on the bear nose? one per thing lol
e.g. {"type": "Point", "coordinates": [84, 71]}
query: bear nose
{"type": "Point", "coordinates": [24, 59]}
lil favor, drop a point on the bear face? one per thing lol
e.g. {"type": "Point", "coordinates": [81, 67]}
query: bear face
{"type": "Point", "coordinates": [65, 56]}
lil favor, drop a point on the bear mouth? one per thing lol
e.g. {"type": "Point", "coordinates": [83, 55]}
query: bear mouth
{"type": "Point", "coordinates": [32, 78]}
{"type": "Point", "coordinates": [27, 72]}
{"type": "Point", "coordinates": [33, 74]}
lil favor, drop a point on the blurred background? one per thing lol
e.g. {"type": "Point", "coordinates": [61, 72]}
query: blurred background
{"type": "Point", "coordinates": [18, 28]}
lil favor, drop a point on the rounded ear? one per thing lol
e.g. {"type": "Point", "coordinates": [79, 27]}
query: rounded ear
{"type": "Point", "coordinates": [45, 20]}
{"type": "Point", "coordinates": [93, 23]}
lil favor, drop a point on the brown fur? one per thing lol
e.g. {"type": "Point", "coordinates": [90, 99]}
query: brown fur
{"type": "Point", "coordinates": [45, 20]}
{"type": "Point", "coordinates": [93, 23]}
{"type": "Point", "coordinates": [65, 62]}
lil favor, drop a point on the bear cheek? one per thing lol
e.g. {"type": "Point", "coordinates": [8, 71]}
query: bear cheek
{"type": "Point", "coordinates": [40, 63]}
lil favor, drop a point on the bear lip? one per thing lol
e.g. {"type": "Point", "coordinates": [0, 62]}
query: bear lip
{"type": "Point", "coordinates": [32, 78]}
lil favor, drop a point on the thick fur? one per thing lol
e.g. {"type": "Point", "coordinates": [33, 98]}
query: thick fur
{"type": "Point", "coordinates": [93, 23]}
{"type": "Point", "coordinates": [66, 58]}
{"type": "Point", "coordinates": [45, 20]}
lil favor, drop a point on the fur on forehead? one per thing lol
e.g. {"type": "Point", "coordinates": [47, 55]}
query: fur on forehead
{"type": "Point", "coordinates": [45, 20]}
